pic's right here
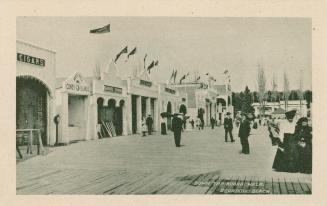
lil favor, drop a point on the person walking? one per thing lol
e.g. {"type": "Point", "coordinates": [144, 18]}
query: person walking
{"type": "Point", "coordinates": [228, 126]}
{"type": "Point", "coordinates": [149, 123]}
{"type": "Point", "coordinates": [198, 123]}
{"type": "Point", "coordinates": [177, 126]}
{"type": "Point", "coordinates": [244, 133]}
{"type": "Point", "coordinates": [144, 127]}
{"type": "Point", "coordinates": [192, 123]}
{"type": "Point", "coordinates": [212, 122]}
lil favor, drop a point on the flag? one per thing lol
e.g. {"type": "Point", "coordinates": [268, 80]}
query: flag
{"type": "Point", "coordinates": [226, 71]}
{"type": "Point", "coordinates": [144, 60]}
{"type": "Point", "coordinates": [150, 66]}
{"type": "Point", "coordinates": [180, 81]}
{"type": "Point", "coordinates": [102, 30]}
{"type": "Point", "coordinates": [156, 63]}
{"type": "Point", "coordinates": [207, 73]}
{"type": "Point", "coordinates": [120, 53]}
{"type": "Point", "coordinates": [197, 79]}
{"type": "Point", "coordinates": [132, 52]}
{"type": "Point", "coordinates": [175, 76]}
{"type": "Point", "coordinates": [172, 75]}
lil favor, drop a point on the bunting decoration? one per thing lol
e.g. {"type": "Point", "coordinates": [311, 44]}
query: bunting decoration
{"type": "Point", "coordinates": [124, 51]}
{"type": "Point", "coordinates": [101, 30]}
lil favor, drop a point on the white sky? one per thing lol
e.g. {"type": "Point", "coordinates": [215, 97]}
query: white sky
{"type": "Point", "coordinates": [186, 44]}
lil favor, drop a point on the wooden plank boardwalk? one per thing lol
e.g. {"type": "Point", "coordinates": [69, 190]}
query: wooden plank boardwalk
{"type": "Point", "coordinates": [122, 182]}
{"type": "Point", "coordinates": [152, 165]}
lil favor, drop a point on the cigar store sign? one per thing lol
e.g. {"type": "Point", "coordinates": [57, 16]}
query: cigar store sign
{"type": "Point", "coordinates": [30, 59]}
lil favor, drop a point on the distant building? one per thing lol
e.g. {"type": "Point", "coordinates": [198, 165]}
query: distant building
{"type": "Point", "coordinates": [224, 101]}
{"type": "Point", "coordinates": [274, 109]}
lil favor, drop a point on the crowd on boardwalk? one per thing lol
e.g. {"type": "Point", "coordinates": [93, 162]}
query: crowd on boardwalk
{"type": "Point", "coordinates": [292, 135]}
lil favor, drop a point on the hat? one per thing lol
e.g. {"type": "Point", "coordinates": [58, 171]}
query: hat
{"type": "Point", "coordinates": [302, 119]}
{"type": "Point", "coordinates": [290, 114]}
{"type": "Point", "coordinates": [228, 113]}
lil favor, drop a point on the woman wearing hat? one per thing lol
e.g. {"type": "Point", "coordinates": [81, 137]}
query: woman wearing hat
{"type": "Point", "coordinates": [287, 155]}
{"type": "Point", "coordinates": [303, 135]}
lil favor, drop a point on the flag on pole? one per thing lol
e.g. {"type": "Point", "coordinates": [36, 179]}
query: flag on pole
{"type": "Point", "coordinates": [175, 75]}
{"type": "Point", "coordinates": [144, 60]}
{"type": "Point", "coordinates": [101, 30]}
{"type": "Point", "coordinates": [150, 66]}
{"type": "Point", "coordinates": [120, 53]}
{"type": "Point", "coordinates": [226, 72]}
{"type": "Point", "coordinates": [184, 77]}
{"type": "Point", "coordinates": [172, 75]}
{"type": "Point", "coordinates": [197, 79]}
{"type": "Point", "coordinates": [132, 52]}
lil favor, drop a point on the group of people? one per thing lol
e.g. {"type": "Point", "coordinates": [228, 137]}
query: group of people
{"type": "Point", "coordinates": [294, 140]}
{"type": "Point", "coordinates": [243, 132]}
{"type": "Point", "coordinates": [147, 125]}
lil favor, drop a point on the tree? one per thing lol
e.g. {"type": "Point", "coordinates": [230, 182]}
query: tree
{"type": "Point", "coordinates": [247, 101]}
{"type": "Point", "coordinates": [261, 81]}
{"type": "Point", "coordinates": [308, 97]}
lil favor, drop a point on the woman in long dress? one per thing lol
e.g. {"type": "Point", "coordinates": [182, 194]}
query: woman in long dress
{"type": "Point", "coordinates": [286, 158]}
{"type": "Point", "coordinates": [303, 135]}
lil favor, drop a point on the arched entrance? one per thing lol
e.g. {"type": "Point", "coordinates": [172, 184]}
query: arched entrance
{"type": "Point", "coordinates": [119, 118]}
{"type": "Point", "coordinates": [182, 109]}
{"type": "Point", "coordinates": [101, 112]}
{"type": "Point", "coordinates": [31, 105]}
{"type": "Point", "coordinates": [169, 116]}
{"type": "Point", "coordinates": [221, 106]}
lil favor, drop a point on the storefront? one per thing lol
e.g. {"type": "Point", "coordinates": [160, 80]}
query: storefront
{"type": "Point", "coordinates": [35, 85]}
{"type": "Point", "coordinates": [108, 105]}
{"type": "Point", "coordinates": [142, 101]}
{"type": "Point", "coordinates": [170, 101]}
{"type": "Point", "coordinates": [72, 101]}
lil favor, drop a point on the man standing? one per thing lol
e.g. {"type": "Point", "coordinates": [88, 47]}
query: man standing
{"type": "Point", "coordinates": [212, 122]}
{"type": "Point", "coordinates": [244, 134]}
{"type": "Point", "coordinates": [177, 126]}
{"type": "Point", "coordinates": [149, 123]}
{"type": "Point", "coordinates": [228, 126]}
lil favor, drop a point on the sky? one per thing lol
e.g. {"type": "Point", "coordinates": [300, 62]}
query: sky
{"type": "Point", "coordinates": [188, 44]}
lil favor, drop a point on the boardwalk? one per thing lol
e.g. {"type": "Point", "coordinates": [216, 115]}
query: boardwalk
{"type": "Point", "coordinates": [152, 165]}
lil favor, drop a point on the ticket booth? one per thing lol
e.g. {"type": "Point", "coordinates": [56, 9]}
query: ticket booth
{"type": "Point", "coordinates": [72, 105]}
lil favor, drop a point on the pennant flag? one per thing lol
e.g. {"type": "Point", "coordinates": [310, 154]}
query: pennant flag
{"type": "Point", "coordinates": [120, 53]}
{"type": "Point", "coordinates": [150, 66]}
{"type": "Point", "coordinates": [226, 71]}
{"type": "Point", "coordinates": [172, 75]}
{"type": "Point", "coordinates": [131, 53]}
{"type": "Point", "coordinates": [144, 60]}
{"type": "Point", "coordinates": [175, 75]}
{"type": "Point", "coordinates": [156, 63]}
{"type": "Point", "coordinates": [102, 30]}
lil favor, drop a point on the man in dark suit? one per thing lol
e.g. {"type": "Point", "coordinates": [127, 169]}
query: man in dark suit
{"type": "Point", "coordinates": [228, 126]}
{"type": "Point", "coordinates": [177, 127]}
{"type": "Point", "coordinates": [244, 134]}
{"type": "Point", "coordinates": [149, 123]}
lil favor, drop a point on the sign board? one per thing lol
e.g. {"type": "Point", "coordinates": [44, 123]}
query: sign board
{"type": "Point", "coordinates": [77, 85]}
{"type": "Point", "coordinates": [30, 59]}
{"type": "Point", "coordinates": [113, 89]}
{"type": "Point", "coordinates": [171, 91]}
{"type": "Point", "coordinates": [145, 83]}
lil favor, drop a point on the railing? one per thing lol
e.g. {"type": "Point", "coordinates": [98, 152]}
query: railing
{"type": "Point", "coordinates": [25, 136]}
